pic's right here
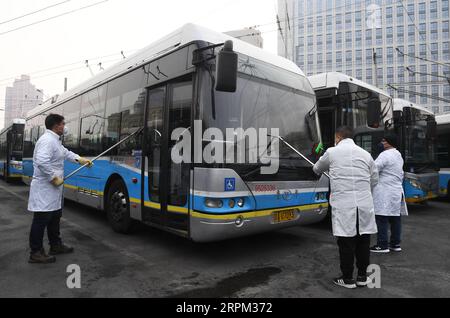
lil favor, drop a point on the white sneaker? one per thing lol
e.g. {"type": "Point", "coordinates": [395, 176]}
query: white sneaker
{"type": "Point", "coordinates": [395, 248]}
{"type": "Point", "coordinates": [377, 249]}
{"type": "Point", "coordinates": [346, 283]}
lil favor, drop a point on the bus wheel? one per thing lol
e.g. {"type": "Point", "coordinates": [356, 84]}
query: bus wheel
{"type": "Point", "coordinates": [118, 208]}
{"type": "Point", "coordinates": [6, 173]}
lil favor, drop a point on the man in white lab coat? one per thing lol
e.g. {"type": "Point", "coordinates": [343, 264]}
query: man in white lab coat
{"type": "Point", "coordinates": [388, 196]}
{"type": "Point", "coordinates": [46, 190]}
{"type": "Point", "coordinates": [353, 175]}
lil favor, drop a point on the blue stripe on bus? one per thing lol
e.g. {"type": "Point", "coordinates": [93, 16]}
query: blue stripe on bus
{"type": "Point", "coordinates": [94, 179]}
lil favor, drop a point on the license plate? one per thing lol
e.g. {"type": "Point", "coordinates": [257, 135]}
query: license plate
{"type": "Point", "coordinates": [284, 216]}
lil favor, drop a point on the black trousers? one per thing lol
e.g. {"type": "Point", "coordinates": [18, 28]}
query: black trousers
{"type": "Point", "coordinates": [354, 247]}
{"type": "Point", "coordinates": [42, 221]}
{"type": "Point", "coordinates": [351, 248]}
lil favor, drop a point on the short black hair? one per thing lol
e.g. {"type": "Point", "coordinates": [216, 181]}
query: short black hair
{"type": "Point", "coordinates": [52, 120]}
{"type": "Point", "coordinates": [345, 132]}
{"type": "Point", "coordinates": [391, 139]}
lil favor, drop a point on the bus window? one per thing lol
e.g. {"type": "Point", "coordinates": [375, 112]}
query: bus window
{"type": "Point", "coordinates": [125, 100]}
{"type": "Point", "coordinates": [132, 120]}
{"type": "Point", "coordinates": [92, 121]}
{"type": "Point", "coordinates": [72, 119]}
{"type": "Point", "coordinates": [179, 117]}
{"type": "Point", "coordinates": [17, 143]}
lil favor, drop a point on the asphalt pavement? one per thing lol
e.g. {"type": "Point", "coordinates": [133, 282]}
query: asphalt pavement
{"type": "Point", "coordinates": [295, 263]}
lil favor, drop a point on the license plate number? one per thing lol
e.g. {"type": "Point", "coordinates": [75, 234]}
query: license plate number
{"type": "Point", "coordinates": [284, 216]}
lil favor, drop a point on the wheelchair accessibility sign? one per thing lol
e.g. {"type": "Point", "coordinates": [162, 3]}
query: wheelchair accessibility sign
{"type": "Point", "coordinates": [230, 184]}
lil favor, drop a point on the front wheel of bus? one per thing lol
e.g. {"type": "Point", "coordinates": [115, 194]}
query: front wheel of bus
{"type": "Point", "coordinates": [118, 208]}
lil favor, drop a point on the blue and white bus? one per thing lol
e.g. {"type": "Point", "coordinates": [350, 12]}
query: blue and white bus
{"type": "Point", "coordinates": [11, 151]}
{"type": "Point", "coordinates": [415, 127]}
{"type": "Point", "coordinates": [344, 100]}
{"type": "Point", "coordinates": [169, 87]}
{"type": "Point", "coordinates": [443, 153]}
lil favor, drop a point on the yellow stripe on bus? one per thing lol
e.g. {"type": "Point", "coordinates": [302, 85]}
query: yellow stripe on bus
{"type": "Point", "coordinates": [256, 214]}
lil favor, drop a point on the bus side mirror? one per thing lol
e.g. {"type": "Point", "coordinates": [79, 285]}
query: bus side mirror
{"type": "Point", "coordinates": [374, 112]}
{"type": "Point", "coordinates": [227, 65]}
{"type": "Point", "coordinates": [431, 129]}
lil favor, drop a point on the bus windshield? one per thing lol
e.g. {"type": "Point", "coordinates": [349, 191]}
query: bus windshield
{"type": "Point", "coordinates": [348, 106]}
{"type": "Point", "coordinates": [17, 142]}
{"type": "Point", "coordinates": [419, 148]}
{"type": "Point", "coordinates": [267, 97]}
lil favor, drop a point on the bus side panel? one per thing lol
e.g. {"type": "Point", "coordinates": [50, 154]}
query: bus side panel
{"type": "Point", "coordinates": [444, 182]}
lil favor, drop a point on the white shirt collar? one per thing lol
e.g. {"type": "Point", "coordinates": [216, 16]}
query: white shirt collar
{"type": "Point", "coordinates": [53, 134]}
{"type": "Point", "coordinates": [347, 141]}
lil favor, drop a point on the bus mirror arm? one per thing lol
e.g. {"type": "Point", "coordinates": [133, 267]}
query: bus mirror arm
{"type": "Point", "coordinates": [105, 152]}
{"type": "Point", "coordinates": [298, 153]}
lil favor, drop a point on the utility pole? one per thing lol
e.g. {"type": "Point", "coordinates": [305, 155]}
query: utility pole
{"type": "Point", "coordinates": [376, 67]}
{"type": "Point", "coordinates": [65, 84]}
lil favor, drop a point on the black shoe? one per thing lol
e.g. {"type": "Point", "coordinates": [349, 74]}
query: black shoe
{"type": "Point", "coordinates": [41, 258]}
{"type": "Point", "coordinates": [346, 283]}
{"type": "Point", "coordinates": [362, 281]}
{"type": "Point", "coordinates": [60, 249]}
{"type": "Point", "coordinates": [396, 248]}
{"type": "Point", "coordinates": [377, 249]}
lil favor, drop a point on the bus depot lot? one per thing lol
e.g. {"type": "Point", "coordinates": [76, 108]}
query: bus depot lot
{"type": "Point", "coordinates": [297, 262]}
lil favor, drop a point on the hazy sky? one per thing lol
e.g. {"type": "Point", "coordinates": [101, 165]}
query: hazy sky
{"type": "Point", "coordinates": [104, 30]}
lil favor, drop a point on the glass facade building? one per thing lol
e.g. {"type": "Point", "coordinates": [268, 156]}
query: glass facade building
{"type": "Point", "coordinates": [343, 35]}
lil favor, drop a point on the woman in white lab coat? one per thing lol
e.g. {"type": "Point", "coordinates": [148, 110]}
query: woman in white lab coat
{"type": "Point", "coordinates": [389, 200]}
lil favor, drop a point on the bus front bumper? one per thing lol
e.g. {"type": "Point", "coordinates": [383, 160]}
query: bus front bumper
{"type": "Point", "coordinates": [210, 228]}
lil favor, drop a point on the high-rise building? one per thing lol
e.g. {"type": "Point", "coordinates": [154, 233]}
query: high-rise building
{"type": "Point", "coordinates": [21, 98]}
{"type": "Point", "coordinates": [249, 35]}
{"type": "Point", "coordinates": [400, 46]}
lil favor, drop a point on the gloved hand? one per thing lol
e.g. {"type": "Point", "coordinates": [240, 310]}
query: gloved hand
{"type": "Point", "coordinates": [82, 161]}
{"type": "Point", "coordinates": [57, 181]}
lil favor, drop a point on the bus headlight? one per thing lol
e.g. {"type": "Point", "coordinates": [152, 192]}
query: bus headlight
{"type": "Point", "coordinates": [241, 203]}
{"type": "Point", "coordinates": [214, 203]}
{"type": "Point", "coordinates": [231, 203]}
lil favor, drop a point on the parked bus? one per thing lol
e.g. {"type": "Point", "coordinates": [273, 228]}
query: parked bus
{"type": "Point", "coordinates": [415, 127]}
{"type": "Point", "coordinates": [169, 88]}
{"type": "Point", "coordinates": [343, 100]}
{"type": "Point", "coordinates": [11, 151]}
{"type": "Point", "coordinates": [443, 153]}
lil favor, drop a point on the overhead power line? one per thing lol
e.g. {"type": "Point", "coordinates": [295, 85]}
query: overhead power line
{"type": "Point", "coordinates": [418, 94]}
{"type": "Point", "coordinates": [34, 12]}
{"type": "Point", "coordinates": [54, 17]}
{"type": "Point", "coordinates": [8, 80]}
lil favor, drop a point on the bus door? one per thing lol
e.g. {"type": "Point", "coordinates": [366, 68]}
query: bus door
{"type": "Point", "coordinates": [167, 198]}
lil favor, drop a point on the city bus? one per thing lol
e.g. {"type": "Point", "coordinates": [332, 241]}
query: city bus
{"type": "Point", "coordinates": [415, 127]}
{"type": "Point", "coordinates": [11, 151]}
{"type": "Point", "coordinates": [343, 100]}
{"type": "Point", "coordinates": [443, 153]}
{"type": "Point", "coordinates": [177, 91]}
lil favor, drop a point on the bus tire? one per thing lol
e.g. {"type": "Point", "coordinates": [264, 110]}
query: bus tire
{"type": "Point", "coordinates": [118, 208]}
{"type": "Point", "coordinates": [6, 174]}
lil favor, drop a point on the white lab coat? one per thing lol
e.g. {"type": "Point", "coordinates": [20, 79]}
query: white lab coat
{"type": "Point", "coordinates": [388, 196]}
{"type": "Point", "coordinates": [48, 163]}
{"type": "Point", "coordinates": [353, 175]}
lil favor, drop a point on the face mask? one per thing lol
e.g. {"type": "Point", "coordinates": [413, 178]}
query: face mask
{"type": "Point", "coordinates": [66, 131]}
{"type": "Point", "coordinates": [380, 147]}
